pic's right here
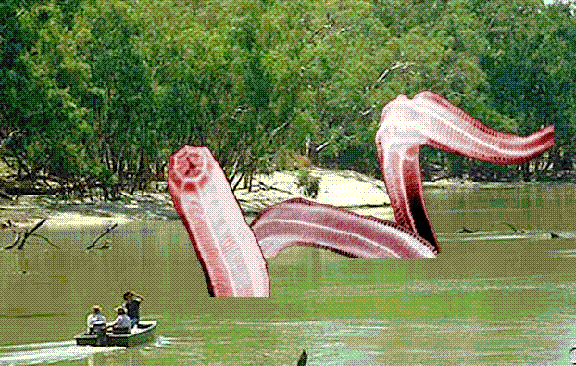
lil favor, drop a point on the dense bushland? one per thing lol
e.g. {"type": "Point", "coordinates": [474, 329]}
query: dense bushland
{"type": "Point", "coordinates": [95, 94]}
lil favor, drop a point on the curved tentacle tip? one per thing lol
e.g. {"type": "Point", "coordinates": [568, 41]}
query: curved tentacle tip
{"type": "Point", "coordinates": [430, 119]}
{"type": "Point", "coordinates": [300, 222]}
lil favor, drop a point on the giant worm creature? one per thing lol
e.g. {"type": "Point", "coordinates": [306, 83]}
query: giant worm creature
{"type": "Point", "coordinates": [232, 255]}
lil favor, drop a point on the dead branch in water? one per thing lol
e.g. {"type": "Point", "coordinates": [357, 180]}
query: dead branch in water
{"type": "Point", "coordinates": [110, 228]}
{"type": "Point", "coordinates": [22, 236]}
{"type": "Point", "coordinates": [302, 359]}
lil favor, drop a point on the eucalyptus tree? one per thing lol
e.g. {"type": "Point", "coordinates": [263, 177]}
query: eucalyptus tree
{"type": "Point", "coordinates": [531, 73]}
{"type": "Point", "coordinates": [121, 110]}
{"type": "Point", "coordinates": [35, 114]}
{"type": "Point", "coordinates": [99, 91]}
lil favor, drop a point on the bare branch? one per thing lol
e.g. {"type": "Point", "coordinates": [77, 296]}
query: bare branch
{"type": "Point", "coordinates": [110, 228]}
{"type": "Point", "coordinates": [397, 65]}
{"type": "Point", "coordinates": [46, 239]}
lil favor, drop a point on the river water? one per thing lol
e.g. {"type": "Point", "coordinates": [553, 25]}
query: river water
{"type": "Point", "coordinates": [493, 297]}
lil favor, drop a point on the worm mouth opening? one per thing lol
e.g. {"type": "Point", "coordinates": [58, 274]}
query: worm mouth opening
{"type": "Point", "coordinates": [189, 164]}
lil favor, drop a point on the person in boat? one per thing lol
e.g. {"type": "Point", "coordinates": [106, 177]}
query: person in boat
{"type": "Point", "coordinates": [132, 303]}
{"type": "Point", "coordinates": [96, 321]}
{"type": "Point", "coordinates": [122, 322]}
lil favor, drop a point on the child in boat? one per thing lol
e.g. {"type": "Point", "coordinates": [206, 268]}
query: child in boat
{"type": "Point", "coordinates": [122, 322]}
{"type": "Point", "coordinates": [96, 321]}
{"type": "Point", "coordinates": [132, 303]}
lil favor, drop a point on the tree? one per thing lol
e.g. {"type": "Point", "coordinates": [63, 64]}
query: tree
{"type": "Point", "coordinates": [121, 113]}
{"type": "Point", "coordinates": [531, 72]}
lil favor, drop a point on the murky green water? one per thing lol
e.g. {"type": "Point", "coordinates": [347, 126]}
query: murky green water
{"type": "Point", "coordinates": [492, 297]}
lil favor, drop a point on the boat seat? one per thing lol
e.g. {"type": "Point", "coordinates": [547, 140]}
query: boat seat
{"type": "Point", "coordinates": [98, 328]}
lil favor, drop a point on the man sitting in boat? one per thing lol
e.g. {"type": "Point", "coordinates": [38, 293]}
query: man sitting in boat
{"type": "Point", "coordinates": [96, 321]}
{"type": "Point", "coordinates": [132, 303]}
{"type": "Point", "coordinates": [122, 323]}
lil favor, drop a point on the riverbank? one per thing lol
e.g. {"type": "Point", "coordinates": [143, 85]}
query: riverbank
{"type": "Point", "coordinates": [88, 212]}
{"type": "Point", "coordinates": [342, 188]}
{"type": "Point", "coordinates": [338, 188]}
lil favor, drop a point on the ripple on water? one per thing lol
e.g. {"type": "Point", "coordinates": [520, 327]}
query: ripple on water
{"type": "Point", "coordinates": [563, 253]}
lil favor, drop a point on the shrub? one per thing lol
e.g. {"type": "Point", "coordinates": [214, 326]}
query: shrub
{"type": "Point", "coordinates": [308, 183]}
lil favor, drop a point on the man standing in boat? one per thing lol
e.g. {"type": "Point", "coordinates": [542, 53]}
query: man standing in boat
{"type": "Point", "coordinates": [132, 303]}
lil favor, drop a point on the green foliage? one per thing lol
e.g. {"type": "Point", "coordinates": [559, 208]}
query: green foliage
{"type": "Point", "coordinates": [308, 183]}
{"type": "Point", "coordinates": [98, 93]}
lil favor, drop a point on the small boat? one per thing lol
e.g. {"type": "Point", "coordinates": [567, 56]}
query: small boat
{"type": "Point", "coordinates": [141, 334]}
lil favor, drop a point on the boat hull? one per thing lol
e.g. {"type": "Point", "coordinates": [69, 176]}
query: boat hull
{"type": "Point", "coordinates": [143, 334]}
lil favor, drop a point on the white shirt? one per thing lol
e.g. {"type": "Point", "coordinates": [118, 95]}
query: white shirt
{"type": "Point", "coordinates": [122, 321]}
{"type": "Point", "coordinates": [95, 319]}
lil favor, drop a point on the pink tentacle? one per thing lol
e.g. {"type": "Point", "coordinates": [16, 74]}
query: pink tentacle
{"type": "Point", "coordinates": [226, 247]}
{"type": "Point", "coordinates": [430, 119]}
{"type": "Point", "coordinates": [299, 222]}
